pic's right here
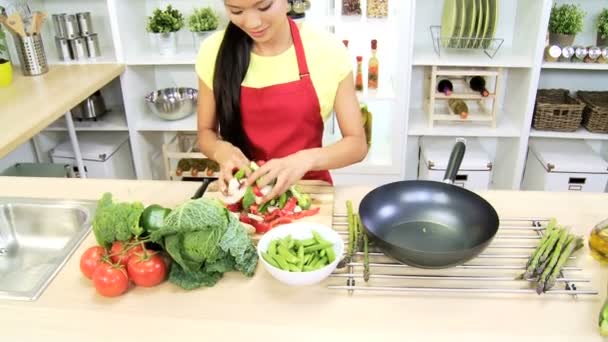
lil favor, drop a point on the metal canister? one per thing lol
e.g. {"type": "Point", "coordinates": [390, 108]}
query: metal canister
{"type": "Point", "coordinates": [552, 53]}
{"type": "Point", "coordinates": [580, 52]}
{"type": "Point", "coordinates": [84, 23]}
{"type": "Point", "coordinates": [79, 48]}
{"type": "Point", "coordinates": [71, 27]}
{"type": "Point", "coordinates": [64, 50]}
{"type": "Point", "coordinates": [604, 55]}
{"type": "Point", "coordinates": [93, 45]}
{"type": "Point", "coordinates": [593, 53]}
{"type": "Point", "coordinates": [59, 24]}
{"type": "Point", "coordinates": [567, 53]}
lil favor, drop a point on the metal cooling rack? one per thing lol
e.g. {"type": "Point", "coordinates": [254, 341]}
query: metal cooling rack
{"type": "Point", "coordinates": [494, 271]}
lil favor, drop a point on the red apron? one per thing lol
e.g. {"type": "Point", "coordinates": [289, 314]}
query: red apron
{"type": "Point", "coordinates": [282, 119]}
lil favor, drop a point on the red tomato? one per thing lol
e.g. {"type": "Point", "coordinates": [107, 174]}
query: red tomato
{"type": "Point", "coordinates": [119, 255]}
{"type": "Point", "coordinates": [147, 269]}
{"type": "Point", "coordinates": [110, 280]}
{"type": "Point", "coordinates": [90, 259]}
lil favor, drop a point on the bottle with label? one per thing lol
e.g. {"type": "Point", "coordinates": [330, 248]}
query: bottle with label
{"type": "Point", "coordinates": [359, 75]}
{"type": "Point", "coordinates": [478, 84]}
{"type": "Point", "coordinates": [372, 73]}
{"type": "Point", "coordinates": [446, 87]}
{"type": "Point", "coordinates": [459, 107]}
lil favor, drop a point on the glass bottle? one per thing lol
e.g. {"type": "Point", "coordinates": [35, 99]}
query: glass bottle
{"type": "Point", "coordinates": [445, 86]}
{"type": "Point", "coordinates": [373, 64]}
{"type": "Point", "coordinates": [359, 76]}
{"type": "Point", "coordinates": [459, 107]}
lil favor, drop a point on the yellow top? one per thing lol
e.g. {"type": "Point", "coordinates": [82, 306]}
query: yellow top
{"type": "Point", "coordinates": [327, 58]}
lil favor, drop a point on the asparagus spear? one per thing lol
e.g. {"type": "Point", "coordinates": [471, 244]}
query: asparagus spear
{"type": "Point", "coordinates": [359, 242]}
{"type": "Point", "coordinates": [547, 242]}
{"type": "Point", "coordinates": [542, 280]}
{"type": "Point", "coordinates": [355, 232]}
{"type": "Point", "coordinates": [543, 260]}
{"type": "Point", "coordinates": [365, 259]}
{"type": "Point", "coordinates": [572, 246]}
{"type": "Point", "coordinates": [349, 215]}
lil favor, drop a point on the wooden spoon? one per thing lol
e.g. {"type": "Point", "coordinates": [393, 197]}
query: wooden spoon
{"type": "Point", "coordinates": [37, 21]}
{"type": "Point", "coordinates": [15, 23]}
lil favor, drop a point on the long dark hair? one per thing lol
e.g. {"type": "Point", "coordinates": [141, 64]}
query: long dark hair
{"type": "Point", "coordinates": [230, 69]}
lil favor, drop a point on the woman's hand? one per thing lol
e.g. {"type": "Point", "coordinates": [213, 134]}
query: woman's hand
{"type": "Point", "coordinates": [287, 171]}
{"type": "Point", "coordinates": [229, 158]}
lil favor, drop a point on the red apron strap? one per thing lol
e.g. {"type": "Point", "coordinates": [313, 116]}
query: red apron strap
{"type": "Point", "coordinates": [297, 44]}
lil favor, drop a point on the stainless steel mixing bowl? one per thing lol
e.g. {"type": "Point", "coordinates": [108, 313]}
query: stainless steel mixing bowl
{"type": "Point", "coordinates": [173, 103]}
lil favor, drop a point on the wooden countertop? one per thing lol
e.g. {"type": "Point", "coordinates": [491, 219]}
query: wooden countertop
{"type": "Point", "coordinates": [260, 308]}
{"type": "Point", "coordinates": [30, 104]}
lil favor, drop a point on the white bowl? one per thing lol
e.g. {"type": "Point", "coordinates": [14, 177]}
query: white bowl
{"type": "Point", "coordinates": [301, 231]}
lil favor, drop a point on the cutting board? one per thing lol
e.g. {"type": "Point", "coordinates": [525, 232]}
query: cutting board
{"type": "Point", "coordinates": [322, 195]}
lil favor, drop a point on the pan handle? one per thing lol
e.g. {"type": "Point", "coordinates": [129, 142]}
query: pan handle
{"type": "Point", "coordinates": [201, 190]}
{"type": "Point", "coordinates": [455, 160]}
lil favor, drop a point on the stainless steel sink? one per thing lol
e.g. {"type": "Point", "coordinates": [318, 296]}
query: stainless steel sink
{"type": "Point", "coordinates": [37, 237]}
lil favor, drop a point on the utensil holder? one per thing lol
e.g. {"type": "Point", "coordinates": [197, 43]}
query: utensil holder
{"type": "Point", "coordinates": [30, 50]}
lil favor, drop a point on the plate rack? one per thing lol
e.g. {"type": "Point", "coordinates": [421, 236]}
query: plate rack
{"type": "Point", "coordinates": [436, 103]}
{"type": "Point", "coordinates": [489, 46]}
{"type": "Point", "coordinates": [495, 271]}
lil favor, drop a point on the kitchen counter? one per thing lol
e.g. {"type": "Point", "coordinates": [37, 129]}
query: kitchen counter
{"type": "Point", "coordinates": [30, 104]}
{"type": "Point", "coordinates": [260, 308]}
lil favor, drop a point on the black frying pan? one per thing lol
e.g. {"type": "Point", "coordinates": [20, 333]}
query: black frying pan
{"type": "Point", "coordinates": [429, 224]}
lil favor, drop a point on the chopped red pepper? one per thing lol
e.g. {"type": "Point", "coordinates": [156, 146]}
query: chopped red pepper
{"type": "Point", "coordinates": [304, 213]}
{"type": "Point", "coordinates": [253, 209]}
{"type": "Point", "coordinates": [291, 204]}
{"type": "Point", "coordinates": [261, 227]}
{"type": "Point", "coordinates": [235, 208]}
{"type": "Point", "coordinates": [257, 191]}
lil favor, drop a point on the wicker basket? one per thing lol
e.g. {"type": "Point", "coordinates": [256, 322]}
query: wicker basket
{"type": "Point", "coordinates": [595, 114]}
{"type": "Point", "coordinates": [556, 110]}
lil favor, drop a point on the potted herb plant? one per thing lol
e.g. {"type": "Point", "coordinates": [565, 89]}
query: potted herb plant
{"type": "Point", "coordinates": [602, 28]}
{"type": "Point", "coordinates": [202, 23]}
{"type": "Point", "coordinates": [564, 23]}
{"type": "Point", "coordinates": [164, 24]}
{"type": "Point", "coordinates": [6, 69]}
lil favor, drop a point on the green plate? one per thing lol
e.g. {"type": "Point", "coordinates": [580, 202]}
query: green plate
{"type": "Point", "coordinates": [460, 21]}
{"type": "Point", "coordinates": [486, 22]}
{"type": "Point", "coordinates": [471, 22]}
{"type": "Point", "coordinates": [448, 21]}
{"type": "Point", "coordinates": [480, 12]}
{"type": "Point", "coordinates": [493, 14]}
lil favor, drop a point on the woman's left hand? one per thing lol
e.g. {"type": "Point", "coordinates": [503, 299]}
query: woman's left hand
{"type": "Point", "coordinates": [287, 171]}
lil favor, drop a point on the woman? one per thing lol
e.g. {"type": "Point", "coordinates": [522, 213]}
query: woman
{"type": "Point", "coordinates": [268, 84]}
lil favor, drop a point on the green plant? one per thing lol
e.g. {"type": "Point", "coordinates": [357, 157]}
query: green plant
{"type": "Point", "coordinates": [3, 47]}
{"type": "Point", "coordinates": [164, 21]}
{"type": "Point", "coordinates": [203, 19]}
{"type": "Point", "coordinates": [602, 23]}
{"type": "Point", "coordinates": [566, 19]}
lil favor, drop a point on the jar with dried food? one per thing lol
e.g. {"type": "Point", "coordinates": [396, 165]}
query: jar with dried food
{"type": "Point", "coordinates": [377, 8]}
{"type": "Point", "coordinates": [351, 7]}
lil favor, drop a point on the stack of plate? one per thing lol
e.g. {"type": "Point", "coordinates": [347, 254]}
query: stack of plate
{"type": "Point", "coordinates": [468, 24]}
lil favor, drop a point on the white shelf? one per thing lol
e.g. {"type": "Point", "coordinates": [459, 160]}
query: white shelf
{"type": "Point", "coordinates": [114, 120]}
{"type": "Point", "coordinates": [426, 56]}
{"type": "Point", "coordinates": [186, 55]}
{"type": "Point", "coordinates": [581, 133]}
{"type": "Point", "coordinates": [419, 126]}
{"type": "Point", "coordinates": [104, 59]}
{"type": "Point", "coordinates": [152, 123]}
{"type": "Point", "coordinates": [575, 66]}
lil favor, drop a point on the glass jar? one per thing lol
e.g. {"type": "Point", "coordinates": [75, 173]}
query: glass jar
{"type": "Point", "coordinates": [377, 8]}
{"type": "Point", "coordinates": [598, 241]}
{"type": "Point", "coordinates": [351, 7]}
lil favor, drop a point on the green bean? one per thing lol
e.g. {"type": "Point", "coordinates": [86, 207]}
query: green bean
{"type": "Point", "coordinates": [282, 262]}
{"type": "Point", "coordinates": [317, 247]}
{"type": "Point", "coordinates": [331, 256]}
{"type": "Point", "coordinates": [317, 237]}
{"type": "Point", "coordinates": [308, 242]}
{"type": "Point", "coordinates": [322, 252]}
{"type": "Point", "coordinates": [300, 257]}
{"type": "Point", "coordinates": [284, 252]}
{"type": "Point", "coordinates": [272, 249]}
{"type": "Point", "coordinates": [308, 268]}
{"type": "Point", "coordinates": [322, 262]}
{"type": "Point", "coordinates": [270, 260]}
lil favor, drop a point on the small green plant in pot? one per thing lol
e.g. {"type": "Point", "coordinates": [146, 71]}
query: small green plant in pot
{"type": "Point", "coordinates": [164, 24]}
{"type": "Point", "coordinates": [602, 28]}
{"type": "Point", "coordinates": [6, 69]}
{"type": "Point", "coordinates": [202, 23]}
{"type": "Point", "coordinates": [565, 22]}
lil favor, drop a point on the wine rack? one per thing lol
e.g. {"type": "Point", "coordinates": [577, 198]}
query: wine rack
{"type": "Point", "coordinates": [482, 109]}
{"type": "Point", "coordinates": [183, 146]}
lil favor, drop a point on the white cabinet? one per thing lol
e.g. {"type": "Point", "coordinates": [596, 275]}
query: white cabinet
{"type": "Point", "coordinates": [104, 154]}
{"type": "Point", "coordinates": [564, 166]}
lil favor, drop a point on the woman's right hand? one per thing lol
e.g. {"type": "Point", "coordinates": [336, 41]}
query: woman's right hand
{"type": "Point", "coordinates": [230, 158]}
